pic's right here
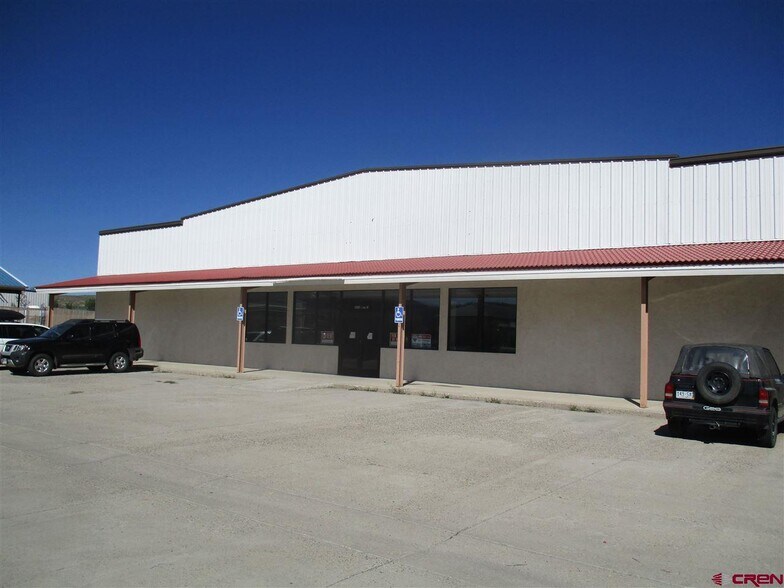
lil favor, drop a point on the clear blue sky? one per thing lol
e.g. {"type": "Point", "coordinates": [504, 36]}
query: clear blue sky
{"type": "Point", "coordinates": [119, 113]}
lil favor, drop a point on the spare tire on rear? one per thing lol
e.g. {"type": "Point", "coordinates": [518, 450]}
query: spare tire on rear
{"type": "Point", "coordinates": [718, 383]}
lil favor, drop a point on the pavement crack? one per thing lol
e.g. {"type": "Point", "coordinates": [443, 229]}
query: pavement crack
{"type": "Point", "coordinates": [359, 573]}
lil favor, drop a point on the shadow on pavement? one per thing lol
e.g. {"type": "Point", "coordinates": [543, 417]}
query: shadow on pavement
{"type": "Point", "coordinates": [704, 434]}
{"type": "Point", "coordinates": [83, 371]}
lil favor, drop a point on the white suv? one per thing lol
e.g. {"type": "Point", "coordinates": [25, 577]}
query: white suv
{"type": "Point", "coordinates": [11, 331]}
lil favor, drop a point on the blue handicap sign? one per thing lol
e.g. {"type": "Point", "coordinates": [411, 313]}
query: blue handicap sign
{"type": "Point", "coordinates": [240, 313]}
{"type": "Point", "coordinates": [400, 312]}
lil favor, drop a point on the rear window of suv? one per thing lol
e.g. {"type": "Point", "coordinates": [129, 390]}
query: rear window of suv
{"type": "Point", "coordinates": [698, 357]}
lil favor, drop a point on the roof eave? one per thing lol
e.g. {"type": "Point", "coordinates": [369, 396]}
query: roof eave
{"type": "Point", "coordinates": [447, 277]}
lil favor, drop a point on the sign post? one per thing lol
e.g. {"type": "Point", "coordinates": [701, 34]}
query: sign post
{"type": "Point", "coordinates": [240, 316]}
{"type": "Point", "coordinates": [400, 319]}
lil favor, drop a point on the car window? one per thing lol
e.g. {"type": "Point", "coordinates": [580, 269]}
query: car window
{"type": "Point", "coordinates": [26, 331]}
{"type": "Point", "coordinates": [103, 331]}
{"type": "Point", "coordinates": [78, 333]}
{"type": "Point", "coordinates": [697, 357]}
{"type": "Point", "coordinates": [4, 332]}
{"type": "Point", "coordinates": [15, 332]}
{"type": "Point", "coordinates": [39, 331]}
{"type": "Point", "coordinates": [773, 367]}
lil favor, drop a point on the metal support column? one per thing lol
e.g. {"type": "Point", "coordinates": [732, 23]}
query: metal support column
{"type": "Point", "coordinates": [241, 325]}
{"type": "Point", "coordinates": [401, 340]}
{"type": "Point", "coordinates": [644, 342]}
{"type": "Point", "coordinates": [50, 311]}
{"type": "Point", "coordinates": [132, 306]}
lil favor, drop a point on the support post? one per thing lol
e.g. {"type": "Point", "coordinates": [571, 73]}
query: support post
{"type": "Point", "coordinates": [132, 306]}
{"type": "Point", "coordinates": [644, 342]}
{"type": "Point", "coordinates": [50, 311]}
{"type": "Point", "coordinates": [401, 340]}
{"type": "Point", "coordinates": [241, 325]}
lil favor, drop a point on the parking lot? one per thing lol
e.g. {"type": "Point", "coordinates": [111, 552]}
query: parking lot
{"type": "Point", "coordinates": [148, 478]}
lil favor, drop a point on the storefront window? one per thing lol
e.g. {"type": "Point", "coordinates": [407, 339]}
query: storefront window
{"type": "Point", "coordinates": [315, 317]}
{"type": "Point", "coordinates": [266, 320]}
{"type": "Point", "coordinates": [483, 319]}
{"type": "Point", "coordinates": [422, 318]}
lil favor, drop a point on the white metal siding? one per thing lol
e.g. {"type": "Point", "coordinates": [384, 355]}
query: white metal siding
{"type": "Point", "coordinates": [462, 211]}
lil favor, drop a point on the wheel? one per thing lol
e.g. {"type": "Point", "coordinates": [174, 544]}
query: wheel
{"type": "Point", "coordinates": [40, 365]}
{"type": "Point", "coordinates": [119, 362]}
{"type": "Point", "coordinates": [718, 383]}
{"type": "Point", "coordinates": [95, 368]}
{"type": "Point", "coordinates": [677, 427]}
{"type": "Point", "coordinates": [767, 435]}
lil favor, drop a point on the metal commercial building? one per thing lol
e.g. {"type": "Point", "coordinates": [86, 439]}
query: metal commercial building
{"type": "Point", "coordinates": [572, 275]}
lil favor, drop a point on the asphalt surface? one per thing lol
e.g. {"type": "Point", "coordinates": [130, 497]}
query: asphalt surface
{"type": "Point", "coordinates": [170, 480]}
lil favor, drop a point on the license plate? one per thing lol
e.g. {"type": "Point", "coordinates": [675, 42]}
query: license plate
{"type": "Point", "coordinates": [684, 394]}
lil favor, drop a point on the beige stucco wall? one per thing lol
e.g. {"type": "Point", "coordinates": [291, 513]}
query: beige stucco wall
{"type": "Point", "coordinates": [192, 326]}
{"type": "Point", "coordinates": [111, 305]}
{"type": "Point", "coordinates": [572, 335]}
{"type": "Point", "coordinates": [297, 358]}
{"type": "Point", "coordinates": [743, 309]}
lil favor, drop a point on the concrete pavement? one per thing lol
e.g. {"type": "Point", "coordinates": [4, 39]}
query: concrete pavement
{"type": "Point", "coordinates": [164, 479]}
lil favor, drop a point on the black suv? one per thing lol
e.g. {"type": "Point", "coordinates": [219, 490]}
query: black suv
{"type": "Point", "coordinates": [94, 343]}
{"type": "Point", "coordinates": [725, 385]}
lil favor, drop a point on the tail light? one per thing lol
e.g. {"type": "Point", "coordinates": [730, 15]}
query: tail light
{"type": "Point", "coordinates": [764, 398]}
{"type": "Point", "coordinates": [669, 390]}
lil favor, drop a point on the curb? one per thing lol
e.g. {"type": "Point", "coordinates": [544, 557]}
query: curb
{"type": "Point", "coordinates": [430, 393]}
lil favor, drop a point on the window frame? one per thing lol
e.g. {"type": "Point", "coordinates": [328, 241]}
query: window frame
{"type": "Point", "coordinates": [266, 325]}
{"type": "Point", "coordinates": [327, 295]}
{"type": "Point", "coordinates": [411, 317]}
{"type": "Point", "coordinates": [482, 346]}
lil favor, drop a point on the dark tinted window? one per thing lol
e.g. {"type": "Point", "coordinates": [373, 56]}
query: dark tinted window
{"type": "Point", "coordinates": [16, 331]}
{"type": "Point", "coordinates": [500, 320]}
{"type": "Point", "coordinates": [26, 331]}
{"type": "Point", "coordinates": [78, 333]}
{"type": "Point", "coordinates": [770, 362]}
{"type": "Point", "coordinates": [38, 331]}
{"type": "Point", "coordinates": [465, 322]}
{"type": "Point", "coordinates": [483, 319]}
{"type": "Point", "coordinates": [316, 317]}
{"type": "Point", "coordinates": [103, 331]}
{"type": "Point", "coordinates": [422, 318]}
{"type": "Point", "coordinates": [327, 317]}
{"type": "Point", "coordinates": [305, 310]}
{"type": "Point", "coordinates": [266, 321]}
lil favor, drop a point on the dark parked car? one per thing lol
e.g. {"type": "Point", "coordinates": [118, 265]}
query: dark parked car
{"type": "Point", "coordinates": [94, 343]}
{"type": "Point", "coordinates": [726, 385]}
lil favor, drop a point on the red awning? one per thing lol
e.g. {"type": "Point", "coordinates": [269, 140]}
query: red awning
{"type": "Point", "coordinates": [754, 252]}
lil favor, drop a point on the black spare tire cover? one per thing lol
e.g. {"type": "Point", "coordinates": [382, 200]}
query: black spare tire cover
{"type": "Point", "coordinates": [718, 383]}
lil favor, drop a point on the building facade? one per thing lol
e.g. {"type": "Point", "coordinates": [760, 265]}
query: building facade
{"type": "Point", "coordinates": [576, 276]}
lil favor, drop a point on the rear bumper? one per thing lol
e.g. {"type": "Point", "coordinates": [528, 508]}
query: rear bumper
{"type": "Point", "coordinates": [136, 353]}
{"type": "Point", "coordinates": [725, 416]}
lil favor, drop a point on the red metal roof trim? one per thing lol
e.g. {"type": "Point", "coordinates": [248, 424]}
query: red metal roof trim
{"type": "Point", "coordinates": [669, 255]}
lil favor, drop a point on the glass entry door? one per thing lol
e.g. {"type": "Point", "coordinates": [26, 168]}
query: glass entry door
{"type": "Point", "coordinates": [359, 336]}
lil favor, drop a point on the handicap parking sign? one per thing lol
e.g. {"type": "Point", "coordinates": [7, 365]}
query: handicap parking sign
{"type": "Point", "coordinates": [240, 313]}
{"type": "Point", "coordinates": [399, 314]}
